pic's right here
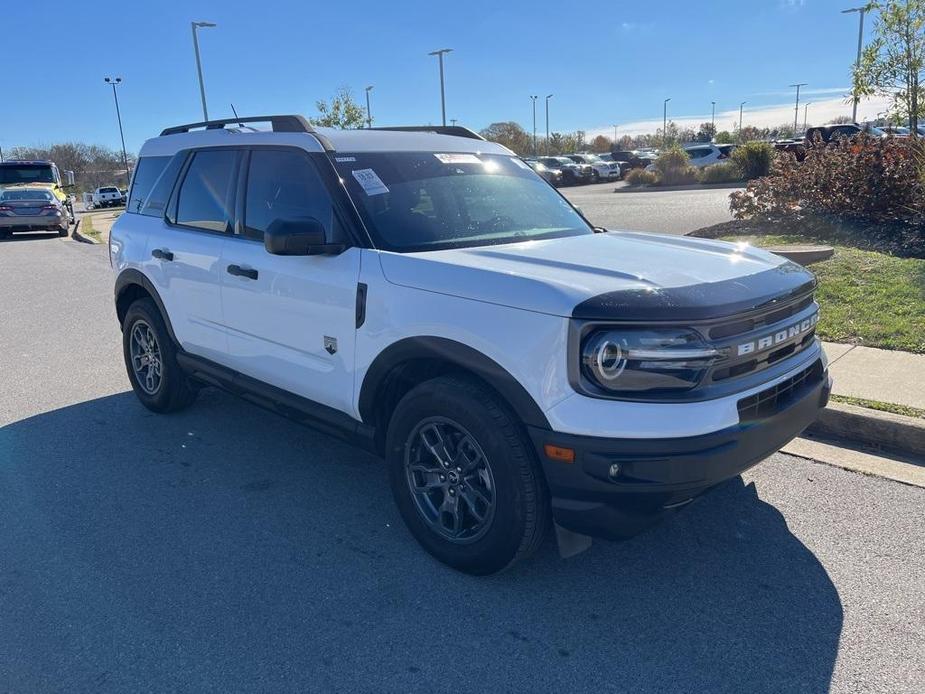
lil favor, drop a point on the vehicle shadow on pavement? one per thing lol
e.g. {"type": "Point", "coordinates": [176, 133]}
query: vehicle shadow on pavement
{"type": "Point", "coordinates": [30, 236]}
{"type": "Point", "coordinates": [225, 548]}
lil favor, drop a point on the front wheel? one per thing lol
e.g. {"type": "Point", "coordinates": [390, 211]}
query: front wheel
{"type": "Point", "coordinates": [464, 476]}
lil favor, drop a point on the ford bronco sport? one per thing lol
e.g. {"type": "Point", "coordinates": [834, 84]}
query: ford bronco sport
{"type": "Point", "coordinates": [425, 293]}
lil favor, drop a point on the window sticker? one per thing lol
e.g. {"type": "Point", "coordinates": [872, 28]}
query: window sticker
{"type": "Point", "coordinates": [370, 182]}
{"type": "Point", "coordinates": [343, 159]}
{"type": "Point", "coordinates": [458, 158]}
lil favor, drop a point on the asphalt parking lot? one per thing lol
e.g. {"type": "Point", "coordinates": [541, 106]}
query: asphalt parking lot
{"type": "Point", "coordinates": [226, 549]}
{"type": "Point", "coordinates": [671, 212]}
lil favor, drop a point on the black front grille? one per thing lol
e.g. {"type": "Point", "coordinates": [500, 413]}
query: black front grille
{"type": "Point", "coordinates": [772, 400]}
{"type": "Point", "coordinates": [739, 327]}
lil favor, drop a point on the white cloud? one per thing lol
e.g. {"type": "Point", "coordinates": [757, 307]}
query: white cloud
{"type": "Point", "coordinates": [820, 112]}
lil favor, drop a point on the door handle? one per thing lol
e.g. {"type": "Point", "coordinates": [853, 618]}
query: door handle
{"type": "Point", "coordinates": [161, 254]}
{"type": "Point", "coordinates": [239, 271]}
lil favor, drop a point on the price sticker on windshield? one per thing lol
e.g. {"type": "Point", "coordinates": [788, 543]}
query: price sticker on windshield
{"type": "Point", "coordinates": [458, 158]}
{"type": "Point", "coordinates": [370, 182]}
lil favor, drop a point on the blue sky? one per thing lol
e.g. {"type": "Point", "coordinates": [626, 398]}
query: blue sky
{"type": "Point", "coordinates": [605, 62]}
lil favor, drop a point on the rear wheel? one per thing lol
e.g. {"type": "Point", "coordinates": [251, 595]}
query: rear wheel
{"type": "Point", "coordinates": [151, 360]}
{"type": "Point", "coordinates": [464, 476]}
{"type": "Point", "coordinates": [63, 231]}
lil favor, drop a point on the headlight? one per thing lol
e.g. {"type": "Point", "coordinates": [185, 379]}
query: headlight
{"type": "Point", "coordinates": [645, 361]}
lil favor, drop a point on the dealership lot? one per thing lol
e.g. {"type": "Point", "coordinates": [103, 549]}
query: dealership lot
{"type": "Point", "coordinates": [226, 548]}
{"type": "Point", "coordinates": [668, 212]}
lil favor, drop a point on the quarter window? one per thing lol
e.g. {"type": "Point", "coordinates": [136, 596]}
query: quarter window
{"type": "Point", "coordinates": [204, 199]}
{"type": "Point", "coordinates": [155, 204]}
{"type": "Point", "coordinates": [283, 184]}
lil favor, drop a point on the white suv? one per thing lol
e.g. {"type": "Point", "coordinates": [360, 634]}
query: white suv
{"type": "Point", "coordinates": [423, 292]}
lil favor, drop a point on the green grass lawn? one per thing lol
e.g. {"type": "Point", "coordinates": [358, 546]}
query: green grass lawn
{"type": "Point", "coordinates": [865, 297]}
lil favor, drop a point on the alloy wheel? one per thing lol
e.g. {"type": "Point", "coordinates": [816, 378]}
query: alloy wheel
{"type": "Point", "coordinates": [146, 357]}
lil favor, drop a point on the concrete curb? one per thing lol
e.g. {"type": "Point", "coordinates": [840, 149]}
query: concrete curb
{"type": "Point", "coordinates": [77, 236]}
{"type": "Point", "coordinates": [871, 427]}
{"type": "Point", "coordinates": [669, 189]}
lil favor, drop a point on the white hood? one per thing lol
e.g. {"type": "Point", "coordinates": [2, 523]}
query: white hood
{"type": "Point", "coordinates": [556, 276]}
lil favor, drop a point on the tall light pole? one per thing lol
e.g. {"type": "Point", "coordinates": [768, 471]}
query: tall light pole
{"type": "Point", "coordinates": [796, 110]}
{"type": "Point", "coordinates": [665, 121]}
{"type": "Point", "coordinates": [548, 97]}
{"type": "Point", "coordinates": [202, 87]}
{"type": "Point", "coordinates": [857, 63]}
{"type": "Point", "coordinates": [440, 53]}
{"type": "Point", "coordinates": [113, 81]}
{"type": "Point", "coordinates": [740, 118]}
{"type": "Point", "coordinates": [614, 133]}
{"type": "Point", "coordinates": [533, 98]}
{"type": "Point", "coordinates": [369, 115]}
{"type": "Point", "coordinates": [713, 117]}
{"type": "Point", "coordinates": [805, 113]}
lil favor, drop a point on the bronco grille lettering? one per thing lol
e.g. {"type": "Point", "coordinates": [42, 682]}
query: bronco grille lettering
{"type": "Point", "coordinates": [768, 341]}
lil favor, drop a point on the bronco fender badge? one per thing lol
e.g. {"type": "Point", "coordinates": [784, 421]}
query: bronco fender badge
{"type": "Point", "coordinates": [330, 344]}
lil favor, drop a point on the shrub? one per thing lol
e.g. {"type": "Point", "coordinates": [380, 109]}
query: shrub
{"type": "Point", "coordinates": [679, 177]}
{"type": "Point", "coordinates": [640, 177]}
{"type": "Point", "coordinates": [870, 183]}
{"type": "Point", "coordinates": [727, 172]}
{"type": "Point", "coordinates": [670, 159]}
{"type": "Point", "coordinates": [754, 159]}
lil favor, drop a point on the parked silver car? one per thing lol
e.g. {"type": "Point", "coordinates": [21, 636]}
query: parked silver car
{"type": "Point", "coordinates": [32, 209]}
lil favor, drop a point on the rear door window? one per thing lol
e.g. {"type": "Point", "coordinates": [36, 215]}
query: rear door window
{"type": "Point", "coordinates": [204, 200]}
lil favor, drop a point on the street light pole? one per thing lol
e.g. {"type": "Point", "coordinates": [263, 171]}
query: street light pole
{"type": "Point", "coordinates": [857, 64]}
{"type": "Point", "coordinates": [665, 121]}
{"type": "Point", "coordinates": [533, 99]}
{"type": "Point", "coordinates": [740, 118]}
{"type": "Point", "coordinates": [548, 97]}
{"type": "Point", "coordinates": [369, 115]}
{"type": "Point", "coordinates": [113, 81]}
{"type": "Point", "coordinates": [796, 110]}
{"type": "Point", "coordinates": [614, 134]}
{"type": "Point", "coordinates": [202, 87]}
{"type": "Point", "coordinates": [713, 118]}
{"type": "Point", "coordinates": [440, 53]}
{"type": "Point", "coordinates": [805, 112]}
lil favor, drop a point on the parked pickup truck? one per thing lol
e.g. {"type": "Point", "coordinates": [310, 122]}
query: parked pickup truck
{"type": "Point", "coordinates": [109, 196]}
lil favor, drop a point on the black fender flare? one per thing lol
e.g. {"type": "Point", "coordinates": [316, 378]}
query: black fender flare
{"type": "Point", "coordinates": [132, 277]}
{"type": "Point", "coordinates": [458, 354]}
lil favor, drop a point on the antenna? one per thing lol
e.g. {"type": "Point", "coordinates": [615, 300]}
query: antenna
{"type": "Point", "coordinates": [236, 115]}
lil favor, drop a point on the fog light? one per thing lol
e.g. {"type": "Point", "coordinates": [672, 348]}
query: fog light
{"type": "Point", "coordinates": [614, 471]}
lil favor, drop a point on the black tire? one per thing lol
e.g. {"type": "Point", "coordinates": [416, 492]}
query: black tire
{"type": "Point", "coordinates": [174, 390]}
{"type": "Point", "coordinates": [520, 515]}
{"type": "Point", "coordinates": [595, 177]}
{"type": "Point", "coordinates": [63, 232]}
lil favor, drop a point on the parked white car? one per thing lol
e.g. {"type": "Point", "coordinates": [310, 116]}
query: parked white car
{"type": "Point", "coordinates": [701, 154]}
{"type": "Point", "coordinates": [600, 170]}
{"type": "Point", "coordinates": [426, 294]}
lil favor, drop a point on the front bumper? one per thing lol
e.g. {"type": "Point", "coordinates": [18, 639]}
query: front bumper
{"type": "Point", "coordinates": [657, 476]}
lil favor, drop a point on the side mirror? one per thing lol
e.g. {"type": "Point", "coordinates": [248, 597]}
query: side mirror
{"type": "Point", "coordinates": [69, 179]}
{"type": "Point", "coordinates": [298, 236]}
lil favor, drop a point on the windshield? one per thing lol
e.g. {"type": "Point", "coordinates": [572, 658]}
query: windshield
{"type": "Point", "coordinates": [27, 195]}
{"type": "Point", "coordinates": [416, 201]}
{"type": "Point", "coordinates": [26, 173]}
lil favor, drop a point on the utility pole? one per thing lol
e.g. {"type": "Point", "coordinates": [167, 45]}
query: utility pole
{"type": "Point", "coordinates": [796, 110]}
{"type": "Point", "coordinates": [113, 81]}
{"type": "Point", "coordinates": [665, 121]}
{"type": "Point", "coordinates": [548, 97]}
{"type": "Point", "coordinates": [740, 119]}
{"type": "Point", "coordinates": [857, 63]}
{"type": "Point", "coordinates": [533, 99]}
{"type": "Point", "coordinates": [440, 53]}
{"type": "Point", "coordinates": [202, 87]}
{"type": "Point", "coordinates": [369, 115]}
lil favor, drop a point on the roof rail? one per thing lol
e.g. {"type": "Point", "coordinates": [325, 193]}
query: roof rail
{"type": "Point", "coordinates": [456, 130]}
{"type": "Point", "coordinates": [281, 124]}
